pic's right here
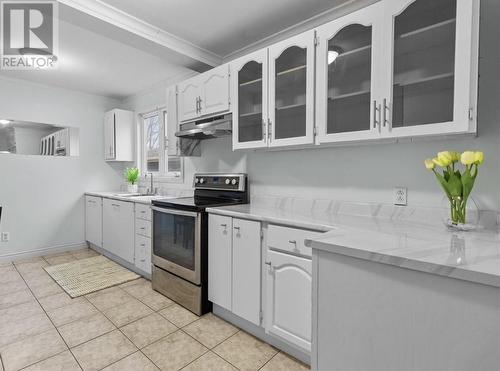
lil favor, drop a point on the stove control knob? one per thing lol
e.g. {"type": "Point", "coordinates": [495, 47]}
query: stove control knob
{"type": "Point", "coordinates": [234, 181]}
{"type": "Point", "coordinates": [202, 180]}
{"type": "Point", "coordinates": [196, 180]}
{"type": "Point", "coordinates": [228, 181]}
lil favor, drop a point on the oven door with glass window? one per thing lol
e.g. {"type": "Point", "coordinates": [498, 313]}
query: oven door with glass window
{"type": "Point", "coordinates": [176, 242]}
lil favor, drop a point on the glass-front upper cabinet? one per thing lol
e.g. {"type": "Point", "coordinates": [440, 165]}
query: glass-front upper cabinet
{"type": "Point", "coordinates": [291, 91]}
{"type": "Point", "coordinates": [249, 94]}
{"type": "Point", "coordinates": [432, 78]}
{"type": "Point", "coordinates": [348, 99]}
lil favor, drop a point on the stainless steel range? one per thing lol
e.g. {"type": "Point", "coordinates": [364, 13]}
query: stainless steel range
{"type": "Point", "coordinates": [180, 238]}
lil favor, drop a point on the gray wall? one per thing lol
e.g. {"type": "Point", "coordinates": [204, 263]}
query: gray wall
{"type": "Point", "coordinates": [42, 197]}
{"type": "Point", "coordinates": [369, 172]}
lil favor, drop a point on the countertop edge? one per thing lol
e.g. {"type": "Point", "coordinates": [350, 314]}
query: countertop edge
{"type": "Point", "coordinates": [118, 198]}
{"type": "Point", "coordinates": [271, 219]}
{"type": "Point", "coordinates": [406, 263]}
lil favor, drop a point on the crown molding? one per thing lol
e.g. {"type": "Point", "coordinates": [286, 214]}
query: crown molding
{"type": "Point", "coordinates": [127, 22]}
{"type": "Point", "coordinates": [306, 25]}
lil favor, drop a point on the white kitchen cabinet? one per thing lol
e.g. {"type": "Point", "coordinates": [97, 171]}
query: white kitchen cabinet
{"type": "Point", "coordinates": [214, 95]}
{"type": "Point", "coordinates": [234, 261]}
{"type": "Point", "coordinates": [349, 54]}
{"type": "Point", "coordinates": [404, 69]}
{"type": "Point", "coordinates": [93, 220]}
{"type": "Point", "coordinates": [220, 262]}
{"type": "Point", "coordinates": [288, 298]}
{"type": "Point", "coordinates": [118, 228]}
{"type": "Point", "coordinates": [119, 135]}
{"type": "Point", "coordinates": [291, 91]}
{"type": "Point", "coordinates": [246, 290]}
{"type": "Point", "coordinates": [430, 72]}
{"type": "Point", "coordinates": [204, 94]}
{"type": "Point", "coordinates": [188, 98]}
{"type": "Point", "coordinates": [249, 88]}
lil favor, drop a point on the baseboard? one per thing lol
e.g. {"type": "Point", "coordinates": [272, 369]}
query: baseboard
{"type": "Point", "coordinates": [260, 333]}
{"type": "Point", "coordinates": [42, 251]}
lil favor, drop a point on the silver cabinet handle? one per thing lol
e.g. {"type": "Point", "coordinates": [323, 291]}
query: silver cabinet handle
{"type": "Point", "coordinates": [143, 244]}
{"type": "Point", "coordinates": [143, 260]}
{"type": "Point", "coordinates": [116, 205]}
{"type": "Point", "coordinates": [197, 106]}
{"type": "Point", "coordinates": [199, 103]}
{"type": "Point", "coordinates": [384, 114]}
{"type": "Point", "coordinates": [264, 135]}
{"type": "Point", "coordinates": [142, 228]}
{"type": "Point", "coordinates": [269, 129]}
{"type": "Point", "coordinates": [237, 228]}
{"type": "Point", "coordinates": [268, 263]}
{"type": "Point", "coordinates": [293, 242]}
{"type": "Point", "coordinates": [223, 225]}
{"type": "Point", "coordinates": [376, 113]}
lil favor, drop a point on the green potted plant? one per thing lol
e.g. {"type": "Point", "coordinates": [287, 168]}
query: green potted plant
{"type": "Point", "coordinates": [132, 175]}
{"type": "Point", "coordinates": [456, 184]}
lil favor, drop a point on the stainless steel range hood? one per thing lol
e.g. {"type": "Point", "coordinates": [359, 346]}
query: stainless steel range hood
{"type": "Point", "coordinates": [207, 128]}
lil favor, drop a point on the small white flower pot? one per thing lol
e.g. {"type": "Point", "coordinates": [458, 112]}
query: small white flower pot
{"type": "Point", "coordinates": [132, 188]}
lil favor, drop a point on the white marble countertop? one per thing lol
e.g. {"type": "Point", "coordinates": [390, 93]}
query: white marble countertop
{"type": "Point", "coordinates": [122, 196]}
{"type": "Point", "coordinates": [431, 248]}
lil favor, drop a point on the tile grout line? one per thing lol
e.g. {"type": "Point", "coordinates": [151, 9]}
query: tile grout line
{"type": "Point", "coordinates": [118, 328]}
{"type": "Point", "coordinates": [55, 327]}
{"type": "Point", "coordinates": [269, 360]}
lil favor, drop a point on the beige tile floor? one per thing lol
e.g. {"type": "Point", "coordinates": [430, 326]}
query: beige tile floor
{"type": "Point", "coordinates": [124, 328]}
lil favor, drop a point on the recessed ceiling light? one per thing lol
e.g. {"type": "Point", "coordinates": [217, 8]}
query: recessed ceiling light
{"type": "Point", "coordinates": [4, 122]}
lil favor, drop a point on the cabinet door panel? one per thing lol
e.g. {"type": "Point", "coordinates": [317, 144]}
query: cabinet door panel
{"type": "Point", "coordinates": [432, 51]}
{"type": "Point", "coordinates": [348, 92]}
{"type": "Point", "coordinates": [109, 135]}
{"type": "Point", "coordinates": [220, 260]}
{"type": "Point", "coordinates": [215, 90]}
{"type": "Point", "coordinates": [291, 91]}
{"type": "Point", "coordinates": [249, 97]}
{"type": "Point", "coordinates": [188, 93]}
{"type": "Point", "coordinates": [93, 220]}
{"type": "Point", "coordinates": [172, 123]}
{"type": "Point", "coordinates": [118, 228]}
{"type": "Point", "coordinates": [289, 298]}
{"type": "Point", "coordinates": [246, 270]}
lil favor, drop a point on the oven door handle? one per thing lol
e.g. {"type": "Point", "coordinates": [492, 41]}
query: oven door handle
{"type": "Point", "coordinates": [175, 212]}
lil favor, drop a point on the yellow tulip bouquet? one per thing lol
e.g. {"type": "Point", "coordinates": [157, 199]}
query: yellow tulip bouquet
{"type": "Point", "coordinates": [457, 185]}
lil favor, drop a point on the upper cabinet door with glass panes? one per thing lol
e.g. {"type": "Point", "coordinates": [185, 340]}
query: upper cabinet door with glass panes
{"type": "Point", "coordinates": [291, 91]}
{"type": "Point", "coordinates": [431, 78]}
{"type": "Point", "coordinates": [348, 61]}
{"type": "Point", "coordinates": [249, 94]}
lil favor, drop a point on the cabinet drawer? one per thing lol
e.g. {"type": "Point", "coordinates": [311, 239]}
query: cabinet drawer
{"type": "Point", "coordinates": [143, 227]}
{"type": "Point", "coordinates": [289, 239]}
{"type": "Point", "coordinates": [143, 211]}
{"type": "Point", "coordinates": [143, 253]}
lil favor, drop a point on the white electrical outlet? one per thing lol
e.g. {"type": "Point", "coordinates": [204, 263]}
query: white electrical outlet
{"type": "Point", "coordinates": [5, 236]}
{"type": "Point", "coordinates": [400, 196]}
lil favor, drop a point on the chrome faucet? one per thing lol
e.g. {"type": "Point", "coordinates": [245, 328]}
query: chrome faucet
{"type": "Point", "coordinates": [151, 190]}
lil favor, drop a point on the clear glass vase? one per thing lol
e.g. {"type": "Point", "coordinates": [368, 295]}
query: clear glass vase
{"type": "Point", "coordinates": [460, 215]}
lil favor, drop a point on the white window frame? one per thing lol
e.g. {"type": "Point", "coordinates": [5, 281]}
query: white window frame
{"type": "Point", "coordinates": [163, 174]}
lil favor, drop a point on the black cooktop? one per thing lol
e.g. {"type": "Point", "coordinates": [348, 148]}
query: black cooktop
{"type": "Point", "coordinates": [194, 203]}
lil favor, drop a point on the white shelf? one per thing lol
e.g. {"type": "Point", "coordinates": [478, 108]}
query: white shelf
{"type": "Point", "coordinates": [425, 79]}
{"type": "Point", "coordinates": [251, 82]}
{"type": "Point", "coordinates": [248, 114]}
{"type": "Point", "coordinates": [291, 106]}
{"type": "Point", "coordinates": [428, 28]}
{"type": "Point", "coordinates": [294, 69]}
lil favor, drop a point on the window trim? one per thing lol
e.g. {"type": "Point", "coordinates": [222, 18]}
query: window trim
{"type": "Point", "coordinates": [162, 174]}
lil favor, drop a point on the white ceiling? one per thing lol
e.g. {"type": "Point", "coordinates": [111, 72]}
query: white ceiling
{"type": "Point", "coordinates": [223, 26]}
{"type": "Point", "coordinates": [98, 58]}
{"type": "Point", "coordinates": [95, 64]}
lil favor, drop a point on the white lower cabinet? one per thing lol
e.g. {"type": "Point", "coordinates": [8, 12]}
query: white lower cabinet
{"type": "Point", "coordinates": [234, 259]}
{"type": "Point", "coordinates": [93, 220]}
{"type": "Point", "coordinates": [142, 259]}
{"type": "Point", "coordinates": [220, 256]}
{"type": "Point", "coordinates": [289, 298]}
{"type": "Point", "coordinates": [118, 228]}
{"type": "Point", "coordinates": [246, 270]}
